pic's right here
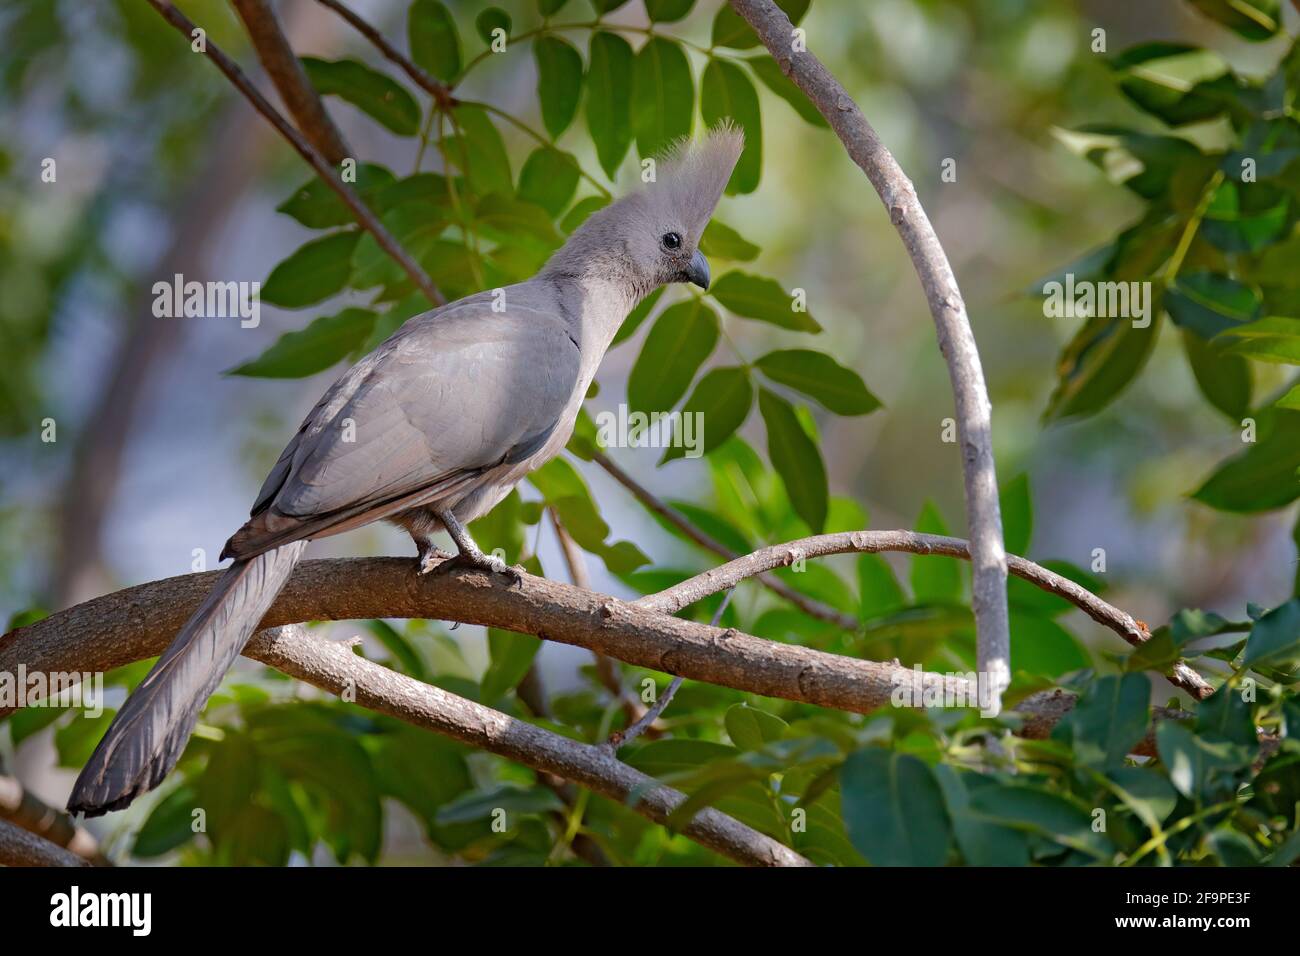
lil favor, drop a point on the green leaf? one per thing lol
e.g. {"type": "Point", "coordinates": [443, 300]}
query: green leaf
{"type": "Point", "coordinates": [1176, 82]}
{"type": "Point", "coordinates": [315, 271]}
{"type": "Point", "coordinates": [893, 809]}
{"type": "Point", "coordinates": [485, 162]}
{"type": "Point", "coordinates": [1042, 813]}
{"type": "Point", "coordinates": [1227, 715]}
{"type": "Point", "coordinates": [1144, 163]}
{"type": "Point", "coordinates": [1274, 339]}
{"type": "Point", "coordinates": [382, 98]}
{"type": "Point", "coordinates": [1041, 647]}
{"type": "Point", "coordinates": [609, 98]}
{"type": "Point", "coordinates": [730, 30]}
{"type": "Point", "coordinates": [796, 459]}
{"type": "Point", "coordinates": [415, 225]}
{"type": "Point", "coordinates": [679, 341]}
{"type": "Point", "coordinates": [565, 491]}
{"type": "Point", "coordinates": [750, 728]}
{"type": "Point", "coordinates": [1017, 507]}
{"type": "Point", "coordinates": [549, 179]}
{"type": "Point", "coordinates": [322, 343]}
{"type": "Point", "coordinates": [667, 11]}
{"type": "Point", "coordinates": [727, 93]}
{"type": "Point", "coordinates": [821, 378]}
{"type": "Point", "coordinates": [583, 208]}
{"type": "Point", "coordinates": [607, 6]}
{"type": "Point", "coordinates": [1275, 638]}
{"type": "Point", "coordinates": [879, 593]}
{"type": "Point", "coordinates": [317, 206]}
{"type": "Point", "coordinates": [637, 316]}
{"type": "Point", "coordinates": [493, 18]}
{"type": "Point", "coordinates": [769, 72]}
{"type": "Point", "coordinates": [170, 824]}
{"type": "Point", "coordinates": [482, 804]}
{"type": "Point", "coordinates": [1199, 769]}
{"type": "Point", "coordinates": [1207, 303]}
{"type": "Point", "coordinates": [1224, 380]}
{"type": "Point", "coordinates": [1098, 364]}
{"type": "Point", "coordinates": [1109, 719]}
{"type": "Point", "coordinates": [403, 653]}
{"type": "Point", "coordinates": [723, 242]}
{"type": "Point", "coordinates": [1240, 220]}
{"type": "Point", "coordinates": [511, 656]}
{"type": "Point", "coordinates": [559, 82]}
{"type": "Point", "coordinates": [1263, 477]}
{"type": "Point", "coordinates": [1253, 19]}
{"type": "Point", "coordinates": [935, 578]}
{"type": "Point", "coordinates": [757, 297]}
{"type": "Point", "coordinates": [981, 843]}
{"type": "Point", "coordinates": [434, 40]}
{"type": "Point", "coordinates": [663, 95]}
{"type": "Point", "coordinates": [723, 398]}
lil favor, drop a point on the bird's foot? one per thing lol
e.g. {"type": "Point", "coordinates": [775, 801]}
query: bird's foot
{"type": "Point", "coordinates": [482, 562]}
{"type": "Point", "coordinates": [428, 559]}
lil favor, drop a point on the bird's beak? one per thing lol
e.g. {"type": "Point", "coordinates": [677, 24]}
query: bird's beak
{"type": "Point", "coordinates": [698, 271]}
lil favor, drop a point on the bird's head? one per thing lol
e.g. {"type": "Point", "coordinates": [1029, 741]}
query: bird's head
{"type": "Point", "coordinates": [651, 237]}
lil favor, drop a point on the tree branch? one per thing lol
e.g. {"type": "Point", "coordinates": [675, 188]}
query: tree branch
{"type": "Point", "coordinates": [956, 340]}
{"type": "Point", "coordinates": [314, 159]}
{"type": "Point", "coordinates": [286, 72]}
{"type": "Point", "coordinates": [778, 587]}
{"type": "Point", "coordinates": [19, 847]}
{"type": "Point", "coordinates": [729, 575]}
{"type": "Point", "coordinates": [24, 809]}
{"type": "Point", "coordinates": [334, 668]}
{"type": "Point", "coordinates": [440, 91]}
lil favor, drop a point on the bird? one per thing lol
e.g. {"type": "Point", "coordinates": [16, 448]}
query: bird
{"type": "Point", "coordinates": [429, 431]}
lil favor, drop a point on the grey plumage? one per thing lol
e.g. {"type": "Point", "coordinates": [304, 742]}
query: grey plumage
{"type": "Point", "coordinates": [429, 431]}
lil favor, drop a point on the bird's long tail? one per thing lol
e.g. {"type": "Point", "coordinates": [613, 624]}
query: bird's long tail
{"type": "Point", "coordinates": [149, 733]}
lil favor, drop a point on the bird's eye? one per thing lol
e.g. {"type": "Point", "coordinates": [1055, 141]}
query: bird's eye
{"type": "Point", "coordinates": [672, 241]}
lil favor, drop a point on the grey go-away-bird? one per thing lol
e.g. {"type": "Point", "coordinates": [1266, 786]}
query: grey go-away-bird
{"type": "Point", "coordinates": [429, 431]}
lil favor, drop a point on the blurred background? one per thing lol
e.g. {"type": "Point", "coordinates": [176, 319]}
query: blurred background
{"type": "Point", "coordinates": [162, 169]}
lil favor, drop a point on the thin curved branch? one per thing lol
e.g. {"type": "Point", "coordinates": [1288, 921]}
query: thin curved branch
{"type": "Point", "coordinates": [19, 847]}
{"type": "Point", "coordinates": [308, 152]}
{"type": "Point", "coordinates": [286, 72]}
{"type": "Point", "coordinates": [440, 91]}
{"type": "Point", "coordinates": [956, 340]}
{"type": "Point", "coordinates": [728, 575]}
{"type": "Point", "coordinates": [778, 587]}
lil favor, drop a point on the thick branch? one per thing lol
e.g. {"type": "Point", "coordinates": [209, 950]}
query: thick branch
{"type": "Point", "coordinates": [314, 159]}
{"type": "Point", "coordinates": [290, 79]}
{"type": "Point", "coordinates": [778, 587]}
{"type": "Point", "coordinates": [956, 341]}
{"type": "Point", "coordinates": [729, 575]}
{"type": "Point", "coordinates": [19, 847]}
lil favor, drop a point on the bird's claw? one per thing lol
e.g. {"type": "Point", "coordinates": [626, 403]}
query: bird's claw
{"type": "Point", "coordinates": [429, 558]}
{"type": "Point", "coordinates": [481, 562]}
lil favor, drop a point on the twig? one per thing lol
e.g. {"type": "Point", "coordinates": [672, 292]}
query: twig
{"type": "Point", "coordinates": [286, 72]}
{"type": "Point", "coordinates": [956, 341]}
{"type": "Point", "coordinates": [440, 91]}
{"type": "Point", "coordinates": [317, 162]}
{"type": "Point", "coordinates": [19, 847]}
{"type": "Point", "coordinates": [651, 715]}
{"type": "Point", "coordinates": [22, 808]}
{"type": "Point", "coordinates": [647, 498]}
{"type": "Point", "coordinates": [729, 575]}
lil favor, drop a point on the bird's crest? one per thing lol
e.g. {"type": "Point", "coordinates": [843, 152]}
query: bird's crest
{"type": "Point", "coordinates": [691, 175]}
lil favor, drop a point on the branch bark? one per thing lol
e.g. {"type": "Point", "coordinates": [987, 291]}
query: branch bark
{"type": "Point", "coordinates": [19, 847]}
{"type": "Point", "coordinates": [956, 340]}
{"type": "Point", "coordinates": [24, 809]}
{"type": "Point", "coordinates": [778, 587]}
{"type": "Point", "coordinates": [308, 152]}
{"type": "Point", "coordinates": [729, 575]}
{"type": "Point", "coordinates": [282, 66]}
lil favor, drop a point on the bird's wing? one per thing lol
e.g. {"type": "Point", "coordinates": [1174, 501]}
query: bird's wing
{"type": "Point", "coordinates": [452, 393]}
